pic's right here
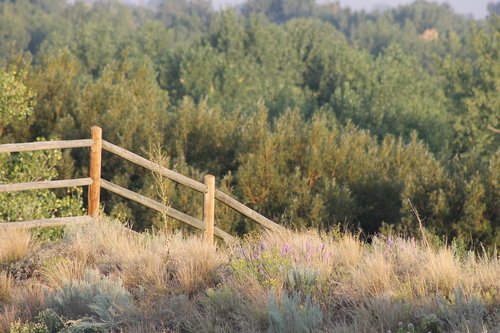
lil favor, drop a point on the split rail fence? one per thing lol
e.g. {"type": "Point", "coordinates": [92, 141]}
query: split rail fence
{"type": "Point", "coordinates": [95, 183]}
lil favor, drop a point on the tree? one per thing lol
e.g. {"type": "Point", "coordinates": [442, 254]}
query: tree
{"type": "Point", "coordinates": [16, 99]}
{"type": "Point", "coordinates": [473, 89]}
{"type": "Point", "coordinates": [280, 10]}
{"type": "Point", "coordinates": [494, 8]}
{"type": "Point", "coordinates": [16, 103]}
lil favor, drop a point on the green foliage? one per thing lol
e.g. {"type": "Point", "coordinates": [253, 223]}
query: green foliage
{"type": "Point", "coordinates": [494, 8]}
{"type": "Point", "coordinates": [459, 247]}
{"type": "Point", "coordinates": [269, 267]}
{"type": "Point", "coordinates": [191, 15]}
{"type": "Point", "coordinates": [236, 65]}
{"type": "Point", "coordinates": [16, 103]}
{"type": "Point", "coordinates": [431, 323]}
{"type": "Point", "coordinates": [16, 99]}
{"type": "Point", "coordinates": [50, 319]}
{"type": "Point", "coordinates": [280, 10]}
{"type": "Point", "coordinates": [27, 167]}
{"type": "Point", "coordinates": [19, 327]}
{"type": "Point", "coordinates": [426, 323]}
{"type": "Point", "coordinates": [476, 111]}
{"type": "Point", "coordinates": [48, 234]}
{"type": "Point", "coordinates": [313, 114]}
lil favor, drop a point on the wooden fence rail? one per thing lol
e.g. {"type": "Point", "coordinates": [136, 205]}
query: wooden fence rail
{"type": "Point", "coordinates": [191, 183]}
{"type": "Point", "coordinates": [95, 183]}
{"type": "Point", "coordinates": [43, 145]}
{"type": "Point", "coordinates": [159, 207]}
{"type": "Point", "coordinates": [46, 184]}
{"type": "Point", "coordinates": [151, 166]}
{"type": "Point", "coordinates": [52, 222]}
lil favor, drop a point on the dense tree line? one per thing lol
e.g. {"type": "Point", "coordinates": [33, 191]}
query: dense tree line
{"type": "Point", "coordinates": [314, 115]}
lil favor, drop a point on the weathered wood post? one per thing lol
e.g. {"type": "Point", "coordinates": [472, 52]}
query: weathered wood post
{"type": "Point", "coordinates": [95, 171]}
{"type": "Point", "coordinates": [209, 209]}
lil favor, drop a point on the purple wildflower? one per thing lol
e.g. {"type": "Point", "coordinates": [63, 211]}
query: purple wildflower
{"type": "Point", "coordinates": [285, 249]}
{"type": "Point", "coordinates": [390, 242]}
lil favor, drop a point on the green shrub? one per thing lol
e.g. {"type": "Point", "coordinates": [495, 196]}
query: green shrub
{"type": "Point", "coordinates": [19, 327]}
{"type": "Point", "coordinates": [431, 323]}
{"type": "Point", "coordinates": [48, 234]}
{"type": "Point", "coordinates": [50, 320]}
{"type": "Point", "coordinates": [96, 303]}
{"type": "Point", "coordinates": [269, 267]}
{"type": "Point", "coordinates": [293, 313]}
{"type": "Point", "coordinates": [459, 312]}
{"type": "Point", "coordinates": [226, 309]}
{"type": "Point", "coordinates": [301, 280]}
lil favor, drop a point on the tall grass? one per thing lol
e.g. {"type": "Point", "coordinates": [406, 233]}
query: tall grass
{"type": "Point", "coordinates": [5, 286]}
{"type": "Point", "coordinates": [276, 282]}
{"type": "Point", "coordinates": [15, 244]}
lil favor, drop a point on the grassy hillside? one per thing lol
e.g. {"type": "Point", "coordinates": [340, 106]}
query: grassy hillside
{"type": "Point", "coordinates": [102, 277]}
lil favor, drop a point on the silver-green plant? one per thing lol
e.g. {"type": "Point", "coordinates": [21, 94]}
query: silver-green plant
{"type": "Point", "coordinates": [94, 303]}
{"type": "Point", "coordinates": [301, 280]}
{"type": "Point", "coordinates": [293, 313]}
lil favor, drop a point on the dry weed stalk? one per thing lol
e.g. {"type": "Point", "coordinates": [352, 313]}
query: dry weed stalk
{"type": "Point", "coordinates": [163, 185]}
{"type": "Point", "coordinates": [420, 224]}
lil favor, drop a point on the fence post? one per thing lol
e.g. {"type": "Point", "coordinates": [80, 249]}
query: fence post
{"type": "Point", "coordinates": [95, 171]}
{"type": "Point", "coordinates": [209, 209]}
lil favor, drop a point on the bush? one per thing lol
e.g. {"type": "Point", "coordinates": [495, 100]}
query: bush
{"type": "Point", "coordinates": [51, 320]}
{"type": "Point", "coordinates": [293, 314]}
{"type": "Point", "coordinates": [94, 303]}
{"type": "Point", "coordinates": [462, 313]}
{"type": "Point", "coordinates": [269, 267]}
{"type": "Point", "coordinates": [301, 280]}
{"type": "Point", "coordinates": [19, 327]}
{"type": "Point", "coordinates": [47, 321]}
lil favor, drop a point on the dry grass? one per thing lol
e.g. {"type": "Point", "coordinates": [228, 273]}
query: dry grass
{"type": "Point", "coordinates": [440, 272]}
{"type": "Point", "coordinates": [358, 287]}
{"type": "Point", "coordinates": [15, 244]}
{"type": "Point", "coordinates": [29, 298]}
{"type": "Point", "coordinates": [195, 263]}
{"type": "Point", "coordinates": [373, 277]}
{"type": "Point", "coordinates": [58, 271]}
{"type": "Point", "coordinates": [8, 315]}
{"type": "Point", "coordinates": [26, 300]}
{"type": "Point", "coordinates": [104, 242]}
{"type": "Point", "coordinates": [146, 260]}
{"type": "Point", "coordinates": [5, 287]}
{"type": "Point", "coordinates": [374, 283]}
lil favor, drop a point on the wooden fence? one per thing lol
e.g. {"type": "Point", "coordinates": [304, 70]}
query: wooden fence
{"type": "Point", "coordinates": [95, 183]}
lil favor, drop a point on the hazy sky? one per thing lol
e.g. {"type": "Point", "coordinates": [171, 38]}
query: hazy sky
{"type": "Point", "coordinates": [475, 7]}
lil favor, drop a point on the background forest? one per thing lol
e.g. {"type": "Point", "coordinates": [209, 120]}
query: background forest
{"type": "Point", "coordinates": [313, 115]}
